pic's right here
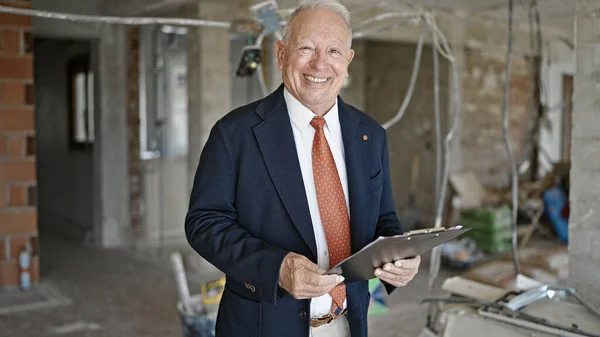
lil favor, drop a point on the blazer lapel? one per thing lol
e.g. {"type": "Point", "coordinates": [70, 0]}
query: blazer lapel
{"type": "Point", "coordinates": [357, 139]}
{"type": "Point", "coordinates": [276, 141]}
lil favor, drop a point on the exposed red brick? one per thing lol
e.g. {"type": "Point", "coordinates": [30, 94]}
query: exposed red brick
{"type": "Point", "coordinates": [30, 146]}
{"type": "Point", "coordinates": [16, 243]}
{"type": "Point", "coordinates": [16, 120]}
{"type": "Point", "coordinates": [10, 41]}
{"type": "Point", "coordinates": [3, 248]}
{"type": "Point", "coordinates": [20, 171]}
{"type": "Point", "coordinates": [18, 222]}
{"type": "Point", "coordinates": [16, 67]}
{"type": "Point", "coordinates": [133, 124]}
{"type": "Point", "coordinates": [27, 42]}
{"type": "Point", "coordinates": [9, 272]}
{"type": "Point", "coordinates": [29, 94]}
{"type": "Point", "coordinates": [32, 196]}
{"type": "Point", "coordinates": [3, 197]}
{"type": "Point", "coordinates": [35, 269]}
{"type": "Point", "coordinates": [35, 245]}
{"type": "Point", "coordinates": [483, 89]}
{"type": "Point", "coordinates": [15, 20]}
{"type": "Point", "coordinates": [18, 196]}
{"type": "Point", "coordinates": [12, 94]}
{"type": "Point", "coordinates": [16, 146]}
{"type": "Point", "coordinates": [3, 146]}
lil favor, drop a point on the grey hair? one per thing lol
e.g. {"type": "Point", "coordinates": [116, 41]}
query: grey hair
{"type": "Point", "coordinates": [330, 5]}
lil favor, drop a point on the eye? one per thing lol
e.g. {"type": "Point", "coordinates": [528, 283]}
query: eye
{"type": "Point", "coordinates": [336, 52]}
{"type": "Point", "coordinates": [305, 48]}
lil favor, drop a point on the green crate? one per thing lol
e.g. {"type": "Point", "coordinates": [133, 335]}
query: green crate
{"type": "Point", "coordinates": [486, 219]}
{"type": "Point", "coordinates": [489, 237]}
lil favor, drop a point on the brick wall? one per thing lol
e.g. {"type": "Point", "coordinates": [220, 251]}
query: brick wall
{"type": "Point", "coordinates": [483, 88]}
{"type": "Point", "coordinates": [133, 126]}
{"type": "Point", "coordinates": [18, 193]}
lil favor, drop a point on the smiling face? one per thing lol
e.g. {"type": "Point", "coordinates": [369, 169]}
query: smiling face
{"type": "Point", "coordinates": [314, 61]}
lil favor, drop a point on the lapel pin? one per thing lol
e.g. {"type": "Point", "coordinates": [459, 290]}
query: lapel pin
{"type": "Point", "coordinates": [365, 137]}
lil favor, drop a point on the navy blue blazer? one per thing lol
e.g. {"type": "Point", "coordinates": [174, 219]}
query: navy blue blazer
{"type": "Point", "coordinates": [248, 209]}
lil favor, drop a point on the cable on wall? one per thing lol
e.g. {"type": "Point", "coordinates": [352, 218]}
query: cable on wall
{"type": "Point", "coordinates": [509, 150]}
{"type": "Point", "coordinates": [137, 21]}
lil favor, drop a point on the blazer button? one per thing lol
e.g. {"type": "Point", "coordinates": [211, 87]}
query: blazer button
{"type": "Point", "coordinates": [302, 313]}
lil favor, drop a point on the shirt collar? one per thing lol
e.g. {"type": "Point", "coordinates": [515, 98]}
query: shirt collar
{"type": "Point", "coordinates": [302, 116]}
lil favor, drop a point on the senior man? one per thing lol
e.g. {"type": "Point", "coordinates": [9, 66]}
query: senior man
{"type": "Point", "coordinates": [289, 186]}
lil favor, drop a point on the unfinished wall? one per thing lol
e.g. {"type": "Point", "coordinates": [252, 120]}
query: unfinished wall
{"type": "Point", "coordinates": [65, 174]}
{"type": "Point", "coordinates": [61, 28]}
{"type": "Point", "coordinates": [481, 127]}
{"type": "Point", "coordinates": [18, 195]}
{"type": "Point", "coordinates": [388, 72]}
{"type": "Point", "coordinates": [584, 229]}
{"type": "Point", "coordinates": [354, 90]}
{"type": "Point", "coordinates": [208, 81]}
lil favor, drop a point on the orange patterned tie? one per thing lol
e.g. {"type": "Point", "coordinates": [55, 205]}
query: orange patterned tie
{"type": "Point", "coordinates": [332, 206]}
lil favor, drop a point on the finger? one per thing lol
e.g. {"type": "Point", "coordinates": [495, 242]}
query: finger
{"type": "Point", "coordinates": [308, 264]}
{"type": "Point", "coordinates": [319, 285]}
{"type": "Point", "coordinates": [392, 269]}
{"type": "Point", "coordinates": [401, 275]}
{"type": "Point", "coordinates": [326, 281]}
{"type": "Point", "coordinates": [395, 272]}
{"type": "Point", "coordinates": [395, 283]}
{"type": "Point", "coordinates": [409, 263]}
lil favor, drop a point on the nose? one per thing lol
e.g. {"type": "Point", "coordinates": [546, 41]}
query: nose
{"type": "Point", "coordinates": [319, 60]}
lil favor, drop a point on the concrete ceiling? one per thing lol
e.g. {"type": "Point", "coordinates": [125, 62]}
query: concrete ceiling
{"type": "Point", "coordinates": [558, 14]}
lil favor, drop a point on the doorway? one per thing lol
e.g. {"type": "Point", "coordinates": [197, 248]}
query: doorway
{"type": "Point", "coordinates": [66, 95]}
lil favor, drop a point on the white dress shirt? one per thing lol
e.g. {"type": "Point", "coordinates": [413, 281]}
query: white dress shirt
{"type": "Point", "coordinates": [304, 134]}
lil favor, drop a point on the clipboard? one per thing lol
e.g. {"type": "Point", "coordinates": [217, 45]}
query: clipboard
{"type": "Point", "coordinates": [361, 265]}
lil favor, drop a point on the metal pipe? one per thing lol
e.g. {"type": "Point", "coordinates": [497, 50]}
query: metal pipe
{"type": "Point", "coordinates": [438, 131]}
{"type": "Point", "coordinates": [138, 21]}
{"type": "Point", "coordinates": [509, 150]}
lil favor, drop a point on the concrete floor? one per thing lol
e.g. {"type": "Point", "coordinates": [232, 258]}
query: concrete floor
{"type": "Point", "coordinates": [114, 293]}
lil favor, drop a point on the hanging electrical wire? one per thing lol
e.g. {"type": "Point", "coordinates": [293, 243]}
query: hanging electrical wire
{"type": "Point", "coordinates": [411, 84]}
{"type": "Point", "coordinates": [371, 31]}
{"type": "Point", "coordinates": [385, 16]}
{"type": "Point", "coordinates": [436, 253]}
{"type": "Point", "coordinates": [369, 7]}
{"type": "Point", "coordinates": [437, 126]}
{"type": "Point", "coordinates": [509, 150]}
{"type": "Point", "coordinates": [137, 21]}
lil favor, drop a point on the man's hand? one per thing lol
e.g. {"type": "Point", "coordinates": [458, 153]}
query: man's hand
{"type": "Point", "coordinates": [400, 272]}
{"type": "Point", "coordinates": [304, 279]}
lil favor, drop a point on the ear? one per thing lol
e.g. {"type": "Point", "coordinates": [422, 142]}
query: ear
{"type": "Point", "coordinates": [280, 52]}
{"type": "Point", "coordinates": [350, 56]}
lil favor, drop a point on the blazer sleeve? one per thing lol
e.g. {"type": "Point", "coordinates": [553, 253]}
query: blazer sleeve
{"type": "Point", "coordinates": [387, 224]}
{"type": "Point", "coordinates": [211, 227]}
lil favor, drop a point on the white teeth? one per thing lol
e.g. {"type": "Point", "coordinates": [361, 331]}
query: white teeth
{"type": "Point", "coordinates": [315, 79]}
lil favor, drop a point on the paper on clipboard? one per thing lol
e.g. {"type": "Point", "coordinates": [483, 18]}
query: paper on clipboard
{"type": "Point", "coordinates": [361, 265]}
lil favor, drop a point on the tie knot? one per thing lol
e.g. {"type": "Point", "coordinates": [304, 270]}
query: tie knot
{"type": "Point", "coordinates": [318, 123]}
